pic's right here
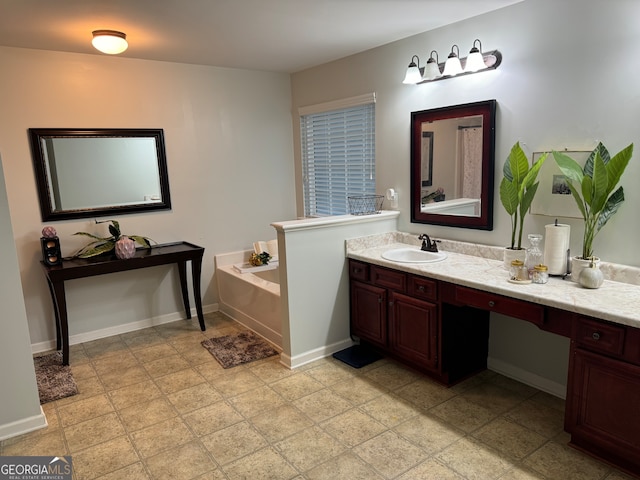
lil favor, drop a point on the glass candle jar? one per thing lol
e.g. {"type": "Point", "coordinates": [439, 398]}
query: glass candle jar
{"type": "Point", "coordinates": [518, 271]}
{"type": "Point", "coordinates": [540, 274]}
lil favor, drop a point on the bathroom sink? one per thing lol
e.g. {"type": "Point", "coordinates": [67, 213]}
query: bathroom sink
{"type": "Point", "coordinates": [413, 255]}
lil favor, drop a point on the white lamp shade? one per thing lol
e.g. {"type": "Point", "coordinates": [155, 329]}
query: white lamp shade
{"type": "Point", "coordinates": [109, 41]}
{"type": "Point", "coordinates": [452, 66]}
{"type": "Point", "coordinates": [432, 70]}
{"type": "Point", "coordinates": [475, 62]}
{"type": "Point", "coordinates": [413, 75]}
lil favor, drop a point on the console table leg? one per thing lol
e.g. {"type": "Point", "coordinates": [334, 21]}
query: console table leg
{"type": "Point", "coordinates": [196, 269]}
{"type": "Point", "coordinates": [182, 271]}
{"type": "Point", "coordinates": [60, 304]}
{"type": "Point", "coordinates": [57, 317]}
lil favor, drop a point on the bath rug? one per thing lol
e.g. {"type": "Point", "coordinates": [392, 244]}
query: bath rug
{"type": "Point", "coordinates": [239, 348]}
{"type": "Point", "coordinates": [357, 356]}
{"type": "Point", "coordinates": [54, 379]}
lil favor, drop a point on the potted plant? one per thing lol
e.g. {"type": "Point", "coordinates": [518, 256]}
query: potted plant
{"type": "Point", "coordinates": [592, 188]}
{"type": "Point", "coordinates": [124, 245]}
{"type": "Point", "coordinates": [517, 190]}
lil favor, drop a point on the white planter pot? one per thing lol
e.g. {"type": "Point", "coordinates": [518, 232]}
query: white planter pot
{"type": "Point", "coordinates": [578, 264]}
{"type": "Point", "coordinates": [511, 254]}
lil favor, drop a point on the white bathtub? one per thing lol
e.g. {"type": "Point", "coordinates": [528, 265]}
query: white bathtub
{"type": "Point", "coordinates": [469, 207]}
{"type": "Point", "coordinates": [252, 298]}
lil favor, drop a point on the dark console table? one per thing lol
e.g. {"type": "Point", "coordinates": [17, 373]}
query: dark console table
{"type": "Point", "coordinates": [180, 253]}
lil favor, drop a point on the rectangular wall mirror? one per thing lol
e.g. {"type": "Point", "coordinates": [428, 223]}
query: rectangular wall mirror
{"type": "Point", "coordinates": [99, 172]}
{"type": "Point", "coordinates": [452, 162]}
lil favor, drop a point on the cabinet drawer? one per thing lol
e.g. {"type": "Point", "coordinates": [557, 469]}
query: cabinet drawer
{"type": "Point", "coordinates": [358, 270]}
{"type": "Point", "coordinates": [421, 287]}
{"type": "Point", "coordinates": [512, 307]}
{"type": "Point", "coordinates": [599, 336]}
{"type": "Point", "coordinates": [383, 277]}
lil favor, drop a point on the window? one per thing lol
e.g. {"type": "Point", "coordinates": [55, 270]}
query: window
{"type": "Point", "coordinates": [338, 154]}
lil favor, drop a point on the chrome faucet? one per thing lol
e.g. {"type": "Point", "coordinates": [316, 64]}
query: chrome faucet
{"type": "Point", "coordinates": [428, 245]}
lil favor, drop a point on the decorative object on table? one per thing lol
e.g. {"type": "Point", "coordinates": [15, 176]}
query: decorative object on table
{"type": "Point", "coordinates": [517, 190]}
{"type": "Point", "coordinates": [259, 259]}
{"type": "Point", "coordinates": [125, 248]}
{"type": "Point", "coordinates": [364, 204]}
{"type": "Point", "coordinates": [55, 380]}
{"type": "Point", "coordinates": [236, 349]}
{"type": "Point", "coordinates": [556, 248]}
{"type": "Point", "coordinates": [534, 253]}
{"type": "Point", "coordinates": [103, 245]}
{"type": "Point", "coordinates": [591, 277]}
{"type": "Point", "coordinates": [50, 246]}
{"type": "Point", "coordinates": [540, 274]}
{"type": "Point", "coordinates": [518, 272]}
{"type": "Point", "coordinates": [592, 188]}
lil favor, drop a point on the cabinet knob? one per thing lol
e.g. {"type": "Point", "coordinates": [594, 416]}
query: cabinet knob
{"type": "Point", "coordinates": [492, 303]}
{"type": "Point", "coordinates": [595, 336]}
{"type": "Point", "coordinates": [421, 288]}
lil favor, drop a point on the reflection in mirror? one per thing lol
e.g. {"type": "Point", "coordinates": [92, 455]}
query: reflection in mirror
{"type": "Point", "coordinates": [90, 173]}
{"type": "Point", "coordinates": [452, 161]}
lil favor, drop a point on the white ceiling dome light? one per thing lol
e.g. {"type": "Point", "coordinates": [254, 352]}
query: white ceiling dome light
{"type": "Point", "coordinates": [110, 42]}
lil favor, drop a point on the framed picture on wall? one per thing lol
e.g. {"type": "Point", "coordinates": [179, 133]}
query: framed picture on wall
{"type": "Point", "coordinates": [553, 197]}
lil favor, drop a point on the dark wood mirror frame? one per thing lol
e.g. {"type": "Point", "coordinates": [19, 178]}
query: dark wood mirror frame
{"type": "Point", "coordinates": [39, 136]}
{"type": "Point", "coordinates": [487, 110]}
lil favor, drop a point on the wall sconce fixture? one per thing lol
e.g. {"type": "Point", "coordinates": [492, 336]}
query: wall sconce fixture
{"type": "Point", "coordinates": [109, 41]}
{"type": "Point", "coordinates": [477, 61]}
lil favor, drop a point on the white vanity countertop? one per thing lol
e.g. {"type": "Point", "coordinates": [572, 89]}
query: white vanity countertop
{"type": "Point", "coordinates": [614, 301]}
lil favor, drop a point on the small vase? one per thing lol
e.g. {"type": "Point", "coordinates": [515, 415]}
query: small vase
{"type": "Point", "coordinates": [578, 264]}
{"type": "Point", "coordinates": [511, 254]}
{"type": "Point", "coordinates": [125, 248]}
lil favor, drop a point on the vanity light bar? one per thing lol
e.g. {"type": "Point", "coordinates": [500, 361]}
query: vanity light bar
{"type": "Point", "coordinates": [477, 61]}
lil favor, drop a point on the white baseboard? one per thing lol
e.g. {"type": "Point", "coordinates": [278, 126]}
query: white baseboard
{"type": "Point", "coordinates": [119, 329]}
{"type": "Point", "coordinates": [313, 355]}
{"type": "Point", "coordinates": [528, 378]}
{"type": "Point", "coordinates": [22, 426]}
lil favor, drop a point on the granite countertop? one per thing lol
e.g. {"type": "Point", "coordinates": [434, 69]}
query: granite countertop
{"type": "Point", "coordinates": [480, 267]}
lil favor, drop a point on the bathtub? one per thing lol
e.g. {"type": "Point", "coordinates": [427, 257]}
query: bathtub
{"type": "Point", "coordinates": [252, 298]}
{"type": "Point", "coordinates": [459, 206]}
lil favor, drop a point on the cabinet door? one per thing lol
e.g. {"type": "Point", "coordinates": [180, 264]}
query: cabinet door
{"type": "Point", "coordinates": [368, 313]}
{"type": "Point", "coordinates": [603, 410]}
{"type": "Point", "coordinates": [413, 330]}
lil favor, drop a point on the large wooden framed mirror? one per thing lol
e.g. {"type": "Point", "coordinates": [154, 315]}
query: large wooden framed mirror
{"type": "Point", "coordinates": [452, 165]}
{"type": "Point", "coordinates": [99, 172]}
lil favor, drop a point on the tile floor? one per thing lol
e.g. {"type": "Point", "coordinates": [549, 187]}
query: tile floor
{"type": "Point", "coordinates": [154, 404]}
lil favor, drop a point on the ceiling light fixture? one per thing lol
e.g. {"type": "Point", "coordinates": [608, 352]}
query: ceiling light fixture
{"type": "Point", "coordinates": [110, 42]}
{"type": "Point", "coordinates": [477, 61]}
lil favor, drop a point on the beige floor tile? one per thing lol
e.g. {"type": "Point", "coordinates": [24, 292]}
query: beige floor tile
{"type": "Point", "coordinates": [431, 469]}
{"type": "Point", "coordinates": [83, 370]}
{"type": "Point", "coordinates": [509, 438]}
{"type": "Point", "coordinates": [256, 401]}
{"type": "Point", "coordinates": [359, 390]}
{"type": "Point", "coordinates": [212, 418]}
{"type": "Point", "coordinates": [296, 386]}
{"type": "Point", "coordinates": [353, 427]}
{"type": "Point", "coordinates": [142, 392]}
{"type": "Point", "coordinates": [115, 379]}
{"type": "Point", "coordinates": [104, 458]}
{"type": "Point", "coordinates": [179, 380]}
{"type": "Point", "coordinates": [185, 462]}
{"type": "Point", "coordinates": [114, 363]}
{"type": "Point", "coordinates": [493, 397]}
{"type": "Point", "coordinates": [87, 387]}
{"type": "Point", "coordinates": [345, 466]}
{"type": "Point", "coordinates": [161, 436]}
{"type": "Point", "coordinates": [331, 372]}
{"type": "Point", "coordinates": [390, 454]}
{"type": "Point", "coordinates": [392, 375]}
{"type": "Point", "coordinates": [135, 471]}
{"type": "Point", "coordinates": [104, 347]}
{"type": "Point", "coordinates": [234, 442]}
{"type": "Point", "coordinates": [265, 464]}
{"type": "Point", "coordinates": [141, 415]}
{"type": "Point", "coordinates": [51, 443]}
{"type": "Point", "coordinates": [193, 398]}
{"type": "Point", "coordinates": [474, 460]}
{"type": "Point", "coordinates": [549, 400]}
{"type": "Point", "coordinates": [463, 414]}
{"type": "Point", "coordinates": [423, 393]}
{"type": "Point", "coordinates": [166, 365]}
{"type": "Point", "coordinates": [554, 460]}
{"type": "Point", "coordinates": [309, 448]}
{"type": "Point", "coordinates": [322, 405]}
{"type": "Point", "coordinates": [280, 422]}
{"type": "Point", "coordinates": [542, 419]}
{"type": "Point", "coordinates": [82, 410]}
{"type": "Point", "coordinates": [91, 432]}
{"type": "Point", "coordinates": [236, 382]}
{"type": "Point", "coordinates": [429, 433]}
{"type": "Point", "coordinates": [390, 410]}
{"type": "Point", "coordinates": [142, 339]}
{"type": "Point", "coordinates": [154, 352]}
{"type": "Point", "coordinates": [271, 371]}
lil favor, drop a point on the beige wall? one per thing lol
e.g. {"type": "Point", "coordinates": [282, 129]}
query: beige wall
{"type": "Point", "coordinates": [229, 151]}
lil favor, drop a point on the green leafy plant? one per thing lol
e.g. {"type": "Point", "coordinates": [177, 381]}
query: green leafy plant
{"type": "Point", "coordinates": [593, 186]}
{"type": "Point", "coordinates": [101, 245]}
{"type": "Point", "coordinates": [517, 189]}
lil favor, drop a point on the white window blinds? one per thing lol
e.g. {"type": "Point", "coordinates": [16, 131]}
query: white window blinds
{"type": "Point", "coordinates": [338, 154]}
